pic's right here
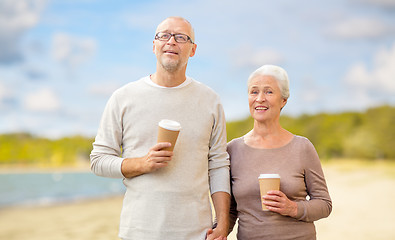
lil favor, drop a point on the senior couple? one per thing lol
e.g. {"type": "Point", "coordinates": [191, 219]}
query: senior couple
{"type": "Point", "coordinates": [167, 192]}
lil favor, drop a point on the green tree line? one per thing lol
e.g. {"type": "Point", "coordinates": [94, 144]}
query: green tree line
{"type": "Point", "coordinates": [362, 135]}
{"type": "Point", "coordinates": [25, 149]}
{"type": "Point", "coordinates": [366, 135]}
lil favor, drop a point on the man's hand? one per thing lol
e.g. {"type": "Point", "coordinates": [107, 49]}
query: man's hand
{"type": "Point", "coordinates": [155, 159]}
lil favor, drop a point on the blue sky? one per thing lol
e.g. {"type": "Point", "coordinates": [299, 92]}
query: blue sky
{"type": "Point", "coordinates": [60, 60]}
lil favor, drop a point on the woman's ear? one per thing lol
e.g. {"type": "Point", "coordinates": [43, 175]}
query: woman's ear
{"type": "Point", "coordinates": [283, 103]}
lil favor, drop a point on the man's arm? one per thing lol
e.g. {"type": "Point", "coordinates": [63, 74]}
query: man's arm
{"type": "Point", "coordinates": [221, 202]}
{"type": "Point", "coordinates": [155, 159]}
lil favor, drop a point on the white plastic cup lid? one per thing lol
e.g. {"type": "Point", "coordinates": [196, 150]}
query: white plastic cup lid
{"type": "Point", "coordinates": [170, 125]}
{"type": "Point", "coordinates": [271, 175]}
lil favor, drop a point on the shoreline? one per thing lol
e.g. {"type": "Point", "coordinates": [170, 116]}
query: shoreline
{"type": "Point", "coordinates": [20, 169]}
{"type": "Point", "coordinates": [350, 186]}
{"type": "Point", "coordinates": [54, 187]}
{"type": "Point", "coordinates": [58, 202]}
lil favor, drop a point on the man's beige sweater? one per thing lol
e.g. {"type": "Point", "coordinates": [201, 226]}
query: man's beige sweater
{"type": "Point", "coordinates": [173, 202]}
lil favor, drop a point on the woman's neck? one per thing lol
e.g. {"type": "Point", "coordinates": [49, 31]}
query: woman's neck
{"type": "Point", "coordinates": [268, 135]}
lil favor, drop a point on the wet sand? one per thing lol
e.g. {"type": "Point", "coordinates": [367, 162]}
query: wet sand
{"type": "Point", "coordinates": [362, 195]}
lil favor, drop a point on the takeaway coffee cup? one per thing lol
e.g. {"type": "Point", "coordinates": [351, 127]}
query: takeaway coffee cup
{"type": "Point", "coordinates": [168, 132]}
{"type": "Point", "coordinates": [268, 182]}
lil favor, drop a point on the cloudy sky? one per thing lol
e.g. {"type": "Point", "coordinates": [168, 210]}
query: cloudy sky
{"type": "Point", "coordinates": [60, 60]}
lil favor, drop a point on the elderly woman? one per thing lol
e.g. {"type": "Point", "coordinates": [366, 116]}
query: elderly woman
{"type": "Point", "coordinates": [269, 148]}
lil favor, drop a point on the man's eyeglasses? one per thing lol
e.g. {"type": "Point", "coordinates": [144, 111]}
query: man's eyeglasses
{"type": "Point", "coordinates": [179, 37]}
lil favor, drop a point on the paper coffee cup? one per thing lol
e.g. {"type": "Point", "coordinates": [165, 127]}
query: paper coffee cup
{"type": "Point", "coordinates": [268, 182]}
{"type": "Point", "coordinates": [168, 132]}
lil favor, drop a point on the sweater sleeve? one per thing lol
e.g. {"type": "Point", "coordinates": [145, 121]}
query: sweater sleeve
{"type": "Point", "coordinates": [233, 204]}
{"type": "Point", "coordinates": [319, 205]}
{"type": "Point", "coordinates": [232, 213]}
{"type": "Point", "coordinates": [218, 159]}
{"type": "Point", "coordinates": [105, 156]}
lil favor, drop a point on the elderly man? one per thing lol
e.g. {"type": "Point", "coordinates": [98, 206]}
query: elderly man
{"type": "Point", "coordinates": [167, 192]}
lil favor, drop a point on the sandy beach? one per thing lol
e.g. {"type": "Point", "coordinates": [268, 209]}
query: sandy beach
{"type": "Point", "coordinates": [362, 195]}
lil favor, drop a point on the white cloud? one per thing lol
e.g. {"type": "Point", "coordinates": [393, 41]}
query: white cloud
{"type": "Point", "coordinates": [250, 57]}
{"type": "Point", "coordinates": [3, 91]}
{"type": "Point", "coordinates": [384, 72]}
{"type": "Point", "coordinates": [355, 28]}
{"type": "Point", "coordinates": [358, 76]}
{"type": "Point", "coordinates": [71, 50]}
{"type": "Point", "coordinates": [3, 94]}
{"type": "Point", "coordinates": [44, 100]}
{"type": "Point", "coordinates": [375, 85]}
{"type": "Point", "coordinates": [141, 21]}
{"type": "Point", "coordinates": [16, 17]}
{"type": "Point", "coordinates": [103, 89]}
{"type": "Point", "coordinates": [6, 96]}
{"type": "Point", "coordinates": [380, 3]}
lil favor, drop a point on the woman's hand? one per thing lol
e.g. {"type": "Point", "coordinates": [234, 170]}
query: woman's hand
{"type": "Point", "coordinates": [277, 201]}
{"type": "Point", "coordinates": [211, 234]}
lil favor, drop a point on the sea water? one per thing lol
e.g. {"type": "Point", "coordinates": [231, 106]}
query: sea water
{"type": "Point", "coordinates": [56, 187]}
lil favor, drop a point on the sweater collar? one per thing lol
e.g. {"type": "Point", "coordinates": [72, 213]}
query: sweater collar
{"type": "Point", "coordinates": [187, 81]}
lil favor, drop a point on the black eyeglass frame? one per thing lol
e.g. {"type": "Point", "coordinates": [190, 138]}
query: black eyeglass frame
{"type": "Point", "coordinates": [173, 35]}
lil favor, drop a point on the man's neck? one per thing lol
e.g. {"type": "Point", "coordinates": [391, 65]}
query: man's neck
{"type": "Point", "coordinates": [168, 79]}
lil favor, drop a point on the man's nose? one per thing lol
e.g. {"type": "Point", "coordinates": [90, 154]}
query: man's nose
{"type": "Point", "coordinates": [172, 40]}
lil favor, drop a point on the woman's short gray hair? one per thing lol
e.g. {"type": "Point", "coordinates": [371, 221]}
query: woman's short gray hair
{"type": "Point", "coordinates": [278, 73]}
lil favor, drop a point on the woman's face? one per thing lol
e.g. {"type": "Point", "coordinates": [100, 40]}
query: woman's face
{"type": "Point", "coordinates": [264, 98]}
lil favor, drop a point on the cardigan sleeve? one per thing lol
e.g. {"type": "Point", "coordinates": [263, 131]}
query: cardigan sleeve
{"type": "Point", "coordinates": [319, 205]}
{"type": "Point", "coordinates": [105, 156]}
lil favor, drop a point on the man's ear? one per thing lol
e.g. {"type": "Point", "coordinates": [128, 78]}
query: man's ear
{"type": "Point", "coordinates": [193, 50]}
